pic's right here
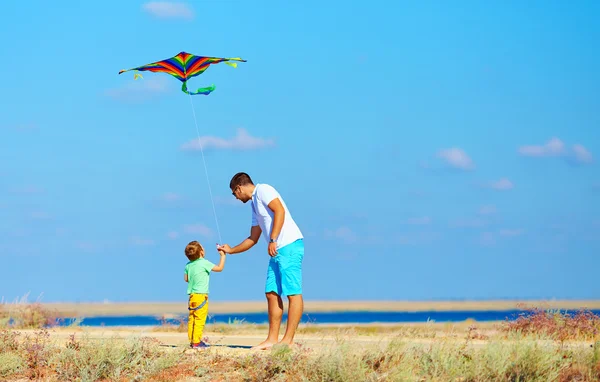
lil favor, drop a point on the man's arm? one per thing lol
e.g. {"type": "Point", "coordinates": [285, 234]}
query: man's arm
{"type": "Point", "coordinates": [245, 245]}
{"type": "Point", "coordinates": [278, 219]}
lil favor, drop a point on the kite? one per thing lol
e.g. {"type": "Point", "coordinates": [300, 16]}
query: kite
{"type": "Point", "coordinates": [184, 66]}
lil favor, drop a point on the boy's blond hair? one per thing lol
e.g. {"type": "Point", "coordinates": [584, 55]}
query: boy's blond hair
{"type": "Point", "coordinates": [194, 250]}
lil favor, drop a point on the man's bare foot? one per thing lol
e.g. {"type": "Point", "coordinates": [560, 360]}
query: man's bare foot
{"type": "Point", "coordinates": [263, 345]}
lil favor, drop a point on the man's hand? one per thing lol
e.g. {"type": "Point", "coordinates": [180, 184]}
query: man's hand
{"type": "Point", "coordinates": [245, 245]}
{"type": "Point", "coordinates": [272, 249]}
{"type": "Point", "coordinates": [224, 248]}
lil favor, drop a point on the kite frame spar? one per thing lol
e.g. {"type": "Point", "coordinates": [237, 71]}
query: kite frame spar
{"type": "Point", "coordinates": [184, 66]}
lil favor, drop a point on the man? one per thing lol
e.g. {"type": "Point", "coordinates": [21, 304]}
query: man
{"type": "Point", "coordinates": [271, 217]}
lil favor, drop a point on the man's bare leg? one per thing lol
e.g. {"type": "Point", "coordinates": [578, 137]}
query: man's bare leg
{"type": "Point", "coordinates": [294, 315]}
{"type": "Point", "coordinates": [275, 306]}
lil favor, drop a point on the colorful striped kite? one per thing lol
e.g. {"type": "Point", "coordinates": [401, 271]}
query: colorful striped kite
{"type": "Point", "coordinates": [184, 66]}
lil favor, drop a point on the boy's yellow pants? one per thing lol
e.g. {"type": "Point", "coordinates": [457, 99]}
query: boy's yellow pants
{"type": "Point", "coordinates": [197, 317]}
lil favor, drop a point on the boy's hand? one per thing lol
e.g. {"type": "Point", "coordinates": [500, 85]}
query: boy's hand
{"type": "Point", "coordinates": [222, 253]}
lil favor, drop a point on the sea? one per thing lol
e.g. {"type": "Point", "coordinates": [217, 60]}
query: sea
{"type": "Point", "coordinates": [353, 317]}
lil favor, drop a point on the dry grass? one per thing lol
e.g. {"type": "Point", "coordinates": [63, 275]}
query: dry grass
{"type": "Point", "coordinates": [35, 357]}
{"type": "Point", "coordinates": [469, 351]}
{"type": "Point", "coordinates": [556, 325]}
{"type": "Point", "coordinates": [27, 315]}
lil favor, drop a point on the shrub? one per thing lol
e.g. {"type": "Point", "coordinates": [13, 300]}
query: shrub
{"type": "Point", "coordinates": [26, 315]}
{"type": "Point", "coordinates": [583, 325]}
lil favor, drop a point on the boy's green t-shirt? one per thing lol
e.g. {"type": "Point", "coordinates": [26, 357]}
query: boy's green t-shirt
{"type": "Point", "coordinates": [198, 272]}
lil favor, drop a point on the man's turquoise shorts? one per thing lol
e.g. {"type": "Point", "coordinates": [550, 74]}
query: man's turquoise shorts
{"type": "Point", "coordinates": [284, 274]}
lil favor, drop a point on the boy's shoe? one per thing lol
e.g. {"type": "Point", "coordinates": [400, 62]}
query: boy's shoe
{"type": "Point", "coordinates": [199, 345]}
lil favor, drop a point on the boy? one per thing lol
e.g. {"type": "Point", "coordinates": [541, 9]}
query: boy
{"type": "Point", "coordinates": [197, 275]}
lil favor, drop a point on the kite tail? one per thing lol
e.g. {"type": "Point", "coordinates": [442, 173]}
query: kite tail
{"type": "Point", "coordinates": [204, 91]}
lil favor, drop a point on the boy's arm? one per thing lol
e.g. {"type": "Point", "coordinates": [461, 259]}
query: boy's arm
{"type": "Point", "coordinates": [219, 268]}
{"type": "Point", "coordinates": [185, 278]}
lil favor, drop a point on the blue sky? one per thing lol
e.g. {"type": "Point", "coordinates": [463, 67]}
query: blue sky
{"type": "Point", "coordinates": [427, 151]}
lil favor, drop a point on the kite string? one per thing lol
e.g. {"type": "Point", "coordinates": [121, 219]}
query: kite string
{"type": "Point", "coordinates": [205, 170]}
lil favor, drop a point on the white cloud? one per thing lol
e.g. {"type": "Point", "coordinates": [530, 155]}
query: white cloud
{"type": "Point", "coordinates": [136, 240]}
{"type": "Point", "coordinates": [581, 154]}
{"type": "Point", "coordinates": [166, 9]}
{"type": "Point", "coordinates": [172, 235]}
{"type": "Point", "coordinates": [141, 89]}
{"type": "Point", "coordinates": [456, 158]}
{"type": "Point", "coordinates": [242, 141]}
{"type": "Point", "coordinates": [342, 233]}
{"type": "Point", "coordinates": [502, 184]}
{"type": "Point", "coordinates": [487, 210]}
{"type": "Point", "coordinates": [556, 148]}
{"type": "Point", "coordinates": [418, 221]}
{"type": "Point", "coordinates": [199, 229]}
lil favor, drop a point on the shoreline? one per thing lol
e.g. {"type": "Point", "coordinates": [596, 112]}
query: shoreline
{"type": "Point", "coordinates": [107, 309]}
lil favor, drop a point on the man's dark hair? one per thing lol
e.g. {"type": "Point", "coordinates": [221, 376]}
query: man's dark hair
{"type": "Point", "coordinates": [240, 179]}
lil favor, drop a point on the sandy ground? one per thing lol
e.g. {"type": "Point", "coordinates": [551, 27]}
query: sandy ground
{"type": "Point", "coordinates": [226, 343]}
{"type": "Point", "coordinates": [241, 342]}
{"type": "Point", "coordinates": [177, 308]}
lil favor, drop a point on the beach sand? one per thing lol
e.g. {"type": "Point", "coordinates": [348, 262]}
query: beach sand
{"type": "Point", "coordinates": [240, 339]}
{"type": "Point", "coordinates": [217, 307]}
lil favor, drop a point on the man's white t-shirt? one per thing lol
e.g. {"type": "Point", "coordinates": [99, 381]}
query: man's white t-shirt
{"type": "Point", "coordinates": [263, 216]}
